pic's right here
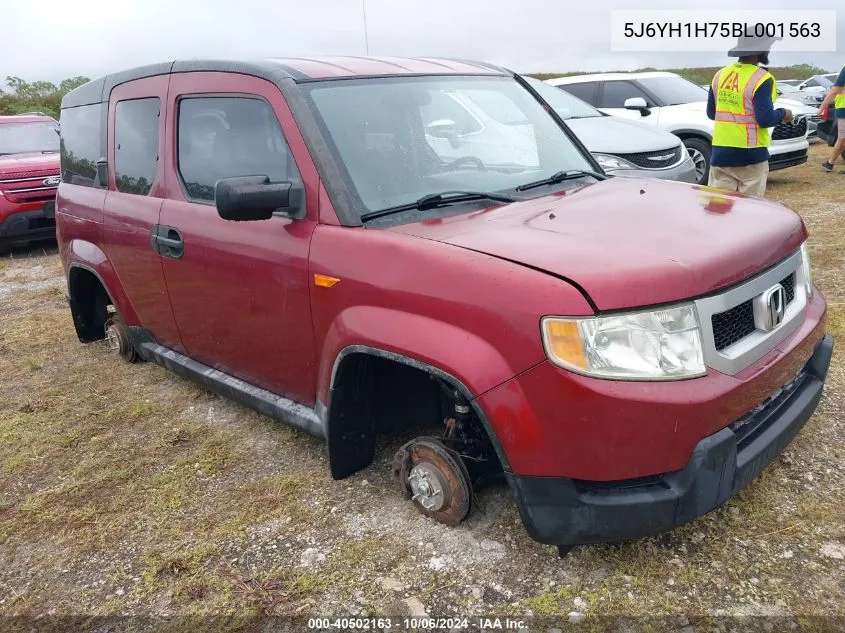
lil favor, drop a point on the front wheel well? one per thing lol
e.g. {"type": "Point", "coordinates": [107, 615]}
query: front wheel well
{"type": "Point", "coordinates": [374, 396]}
{"type": "Point", "coordinates": [89, 304]}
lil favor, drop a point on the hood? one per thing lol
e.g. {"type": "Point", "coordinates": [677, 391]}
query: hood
{"type": "Point", "coordinates": [16, 163]}
{"type": "Point", "coordinates": [614, 135]}
{"type": "Point", "coordinates": [630, 242]}
{"type": "Point", "coordinates": [797, 107]}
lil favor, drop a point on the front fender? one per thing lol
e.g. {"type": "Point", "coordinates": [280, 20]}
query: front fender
{"type": "Point", "coordinates": [457, 353]}
{"type": "Point", "coordinates": [88, 256]}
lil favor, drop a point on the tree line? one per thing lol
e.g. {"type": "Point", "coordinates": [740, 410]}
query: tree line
{"type": "Point", "coordinates": [36, 96]}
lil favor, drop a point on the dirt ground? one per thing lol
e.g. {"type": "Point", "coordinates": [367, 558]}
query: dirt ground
{"type": "Point", "coordinates": [126, 490]}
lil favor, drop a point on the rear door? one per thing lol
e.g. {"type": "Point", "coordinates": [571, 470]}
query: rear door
{"type": "Point", "coordinates": [239, 290]}
{"type": "Point", "coordinates": [136, 192]}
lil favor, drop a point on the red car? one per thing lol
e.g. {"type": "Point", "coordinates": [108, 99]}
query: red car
{"type": "Point", "coordinates": [341, 245]}
{"type": "Point", "coordinates": [29, 176]}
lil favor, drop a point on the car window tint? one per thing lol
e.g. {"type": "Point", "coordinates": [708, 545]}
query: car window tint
{"type": "Point", "coordinates": [616, 92]}
{"type": "Point", "coordinates": [80, 135]}
{"type": "Point", "coordinates": [585, 91]}
{"type": "Point", "coordinates": [227, 137]}
{"type": "Point", "coordinates": [136, 138]}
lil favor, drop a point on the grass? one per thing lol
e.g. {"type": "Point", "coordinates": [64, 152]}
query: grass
{"type": "Point", "coordinates": [125, 489]}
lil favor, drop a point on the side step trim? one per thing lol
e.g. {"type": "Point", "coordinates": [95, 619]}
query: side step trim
{"type": "Point", "coordinates": [266, 402]}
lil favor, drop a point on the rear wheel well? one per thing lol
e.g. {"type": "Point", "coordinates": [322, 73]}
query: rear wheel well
{"type": "Point", "coordinates": [89, 304]}
{"type": "Point", "coordinates": [374, 396]}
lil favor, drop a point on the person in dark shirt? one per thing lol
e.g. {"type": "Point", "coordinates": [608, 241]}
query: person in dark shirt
{"type": "Point", "coordinates": [742, 165]}
{"type": "Point", "coordinates": [837, 95]}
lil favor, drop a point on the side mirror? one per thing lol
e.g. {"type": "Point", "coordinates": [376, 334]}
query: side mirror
{"type": "Point", "coordinates": [103, 173]}
{"type": "Point", "coordinates": [251, 198]}
{"type": "Point", "coordinates": [444, 128]}
{"type": "Point", "coordinates": [637, 103]}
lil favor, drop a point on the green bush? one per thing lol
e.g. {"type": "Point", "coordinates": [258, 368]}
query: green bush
{"type": "Point", "coordinates": [36, 96]}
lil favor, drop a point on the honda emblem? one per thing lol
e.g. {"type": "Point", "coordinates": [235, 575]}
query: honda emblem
{"type": "Point", "coordinates": [774, 299]}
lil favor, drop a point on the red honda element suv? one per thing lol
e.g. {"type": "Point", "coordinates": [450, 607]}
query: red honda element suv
{"type": "Point", "coordinates": [344, 245]}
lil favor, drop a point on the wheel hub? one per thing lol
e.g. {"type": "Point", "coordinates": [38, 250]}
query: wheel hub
{"type": "Point", "coordinates": [427, 487]}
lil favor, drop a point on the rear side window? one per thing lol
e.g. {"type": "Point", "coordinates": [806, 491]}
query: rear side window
{"type": "Point", "coordinates": [81, 132]}
{"type": "Point", "coordinates": [226, 137]}
{"type": "Point", "coordinates": [585, 91]}
{"type": "Point", "coordinates": [136, 125]}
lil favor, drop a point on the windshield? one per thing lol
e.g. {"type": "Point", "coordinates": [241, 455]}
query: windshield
{"type": "Point", "coordinates": [674, 90]}
{"type": "Point", "coordinates": [823, 81]}
{"type": "Point", "coordinates": [402, 138]}
{"type": "Point", "coordinates": [566, 105]}
{"type": "Point", "coordinates": [786, 88]}
{"type": "Point", "coordinates": [19, 138]}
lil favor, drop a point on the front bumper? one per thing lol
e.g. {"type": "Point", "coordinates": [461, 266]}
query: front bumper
{"type": "Point", "coordinates": [682, 172]}
{"type": "Point", "coordinates": [30, 224]}
{"type": "Point", "coordinates": [788, 153]}
{"type": "Point", "coordinates": [563, 511]}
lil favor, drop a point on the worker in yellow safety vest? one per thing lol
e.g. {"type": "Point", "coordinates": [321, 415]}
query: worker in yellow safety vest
{"type": "Point", "coordinates": [741, 102]}
{"type": "Point", "coordinates": [836, 93]}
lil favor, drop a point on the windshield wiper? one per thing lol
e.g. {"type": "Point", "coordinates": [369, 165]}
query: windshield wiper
{"type": "Point", "coordinates": [439, 199]}
{"type": "Point", "coordinates": [569, 174]}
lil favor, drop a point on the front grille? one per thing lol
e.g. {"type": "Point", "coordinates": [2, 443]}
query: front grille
{"type": "Point", "coordinates": [655, 160]}
{"type": "Point", "coordinates": [735, 324]}
{"type": "Point", "coordinates": [799, 155]}
{"type": "Point", "coordinates": [28, 186]}
{"type": "Point", "coordinates": [789, 287]}
{"type": "Point", "coordinates": [797, 129]}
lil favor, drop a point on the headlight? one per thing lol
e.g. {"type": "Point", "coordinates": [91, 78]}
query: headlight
{"type": "Point", "coordinates": [806, 270]}
{"type": "Point", "coordinates": [655, 345]}
{"type": "Point", "coordinates": [608, 161]}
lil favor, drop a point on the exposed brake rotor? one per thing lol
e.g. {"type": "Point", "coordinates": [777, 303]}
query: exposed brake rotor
{"type": "Point", "coordinates": [117, 339]}
{"type": "Point", "coordinates": [435, 478]}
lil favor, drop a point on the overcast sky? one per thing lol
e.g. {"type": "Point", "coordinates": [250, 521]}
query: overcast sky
{"type": "Point", "coordinates": [52, 40]}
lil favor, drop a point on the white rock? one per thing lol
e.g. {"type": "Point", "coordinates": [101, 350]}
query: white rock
{"type": "Point", "coordinates": [311, 557]}
{"type": "Point", "coordinates": [787, 554]}
{"type": "Point", "coordinates": [833, 550]}
{"type": "Point", "coordinates": [120, 591]}
{"type": "Point", "coordinates": [670, 582]}
{"type": "Point", "coordinates": [477, 592]}
{"type": "Point", "coordinates": [575, 617]}
{"type": "Point", "coordinates": [436, 563]}
{"type": "Point", "coordinates": [390, 584]}
{"type": "Point", "coordinates": [416, 608]}
{"type": "Point", "coordinates": [580, 604]}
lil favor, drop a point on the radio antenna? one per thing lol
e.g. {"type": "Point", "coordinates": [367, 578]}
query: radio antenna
{"type": "Point", "coordinates": [366, 36]}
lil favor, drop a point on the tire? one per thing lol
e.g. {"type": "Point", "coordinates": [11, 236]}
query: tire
{"type": "Point", "coordinates": [699, 150]}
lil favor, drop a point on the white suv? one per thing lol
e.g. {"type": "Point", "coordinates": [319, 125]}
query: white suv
{"type": "Point", "coordinates": [679, 106]}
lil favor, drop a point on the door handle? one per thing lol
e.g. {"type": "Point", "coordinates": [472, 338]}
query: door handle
{"type": "Point", "coordinates": [167, 242]}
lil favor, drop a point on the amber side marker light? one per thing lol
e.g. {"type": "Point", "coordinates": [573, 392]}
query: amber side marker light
{"type": "Point", "coordinates": [324, 281]}
{"type": "Point", "coordinates": [563, 343]}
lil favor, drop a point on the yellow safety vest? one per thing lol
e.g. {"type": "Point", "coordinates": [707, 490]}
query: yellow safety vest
{"type": "Point", "coordinates": [839, 101]}
{"type": "Point", "coordinates": [734, 87]}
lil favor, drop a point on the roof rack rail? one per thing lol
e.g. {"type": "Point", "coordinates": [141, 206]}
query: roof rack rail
{"type": "Point", "coordinates": [32, 114]}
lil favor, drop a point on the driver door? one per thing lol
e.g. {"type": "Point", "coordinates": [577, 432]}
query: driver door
{"type": "Point", "coordinates": [239, 290]}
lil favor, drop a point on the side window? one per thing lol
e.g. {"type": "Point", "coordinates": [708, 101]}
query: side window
{"type": "Point", "coordinates": [81, 132]}
{"type": "Point", "coordinates": [616, 92]}
{"type": "Point", "coordinates": [136, 125]}
{"type": "Point", "coordinates": [226, 137]}
{"type": "Point", "coordinates": [585, 91]}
